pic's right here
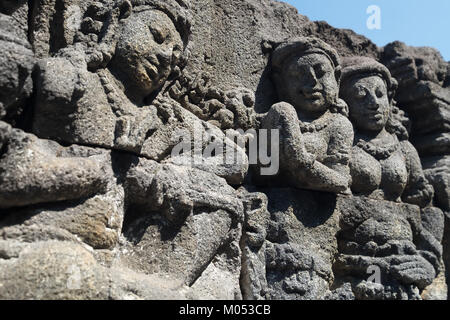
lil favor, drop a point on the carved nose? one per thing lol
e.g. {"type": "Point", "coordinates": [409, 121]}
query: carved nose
{"type": "Point", "coordinates": [373, 106]}
{"type": "Point", "coordinates": [311, 83]}
{"type": "Point", "coordinates": [373, 103]}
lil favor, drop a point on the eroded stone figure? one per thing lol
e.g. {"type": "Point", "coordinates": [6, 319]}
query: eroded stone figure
{"type": "Point", "coordinates": [377, 230]}
{"type": "Point", "coordinates": [424, 93]}
{"type": "Point", "coordinates": [315, 134]}
{"type": "Point", "coordinates": [384, 164]}
{"type": "Point", "coordinates": [110, 90]}
{"type": "Point", "coordinates": [118, 73]}
{"type": "Point", "coordinates": [315, 144]}
{"type": "Point", "coordinates": [94, 205]}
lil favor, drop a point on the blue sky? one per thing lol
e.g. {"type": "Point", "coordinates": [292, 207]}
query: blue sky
{"type": "Point", "coordinates": [415, 22]}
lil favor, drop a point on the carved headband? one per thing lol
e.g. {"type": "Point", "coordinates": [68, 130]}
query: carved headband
{"type": "Point", "coordinates": [176, 10]}
{"type": "Point", "coordinates": [303, 46]}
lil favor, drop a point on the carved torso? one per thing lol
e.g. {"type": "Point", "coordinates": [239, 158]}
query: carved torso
{"type": "Point", "coordinates": [381, 175]}
{"type": "Point", "coordinates": [316, 142]}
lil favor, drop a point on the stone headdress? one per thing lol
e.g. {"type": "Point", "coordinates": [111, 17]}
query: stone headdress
{"type": "Point", "coordinates": [176, 10]}
{"type": "Point", "coordinates": [302, 46]}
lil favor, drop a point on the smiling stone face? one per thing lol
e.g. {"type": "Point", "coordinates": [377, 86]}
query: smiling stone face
{"type": "Point", "coordinates": [368, 101]}
{"type": "Point", "coordinates": [147, 49]}
{"type": "Point", "coordinates": [309, 83]}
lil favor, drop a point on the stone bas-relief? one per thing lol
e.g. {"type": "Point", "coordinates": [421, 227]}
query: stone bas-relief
{"type": "Point", "coordinates": [118, 72]}
{"type": "Point", "coordinates": [95, 205]}
{"type": "Point", "coordinates": [384, 164]}
{"type": "Point", "coordinates": [388, 240]}
{"type": "Point", "coordinates": [315, 133]}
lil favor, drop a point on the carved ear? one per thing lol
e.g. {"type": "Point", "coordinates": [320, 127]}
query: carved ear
{"type": "Point", "coordinates": [177, 52]}
{"type": "Point", "coordinates": [278, 84]}
{"type": "Point", "coordinates": [338, 73]}
{"type": "Point", "coordinates": [393, 89]}
{"type": "Point", "coordinates": [125, 9]}
{"type": "Point", "coordinates": [179, 61]}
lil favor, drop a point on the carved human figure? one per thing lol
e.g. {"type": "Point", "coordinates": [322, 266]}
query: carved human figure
{"type": "Point", "coordinates": [121, 56]}
{"type": "Point", "coordinates": [384, 164]}
{"type": "Point", "coordinates": [118, 73]}
{"type": "Point", "coordinates": [110, 90]}
{"type": "Point", "coordinates": [315, 134]}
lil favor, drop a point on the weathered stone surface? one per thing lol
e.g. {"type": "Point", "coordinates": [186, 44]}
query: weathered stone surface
{"type": "Point", "coordinates": [390, 237]}
{"type": "Point", "coordinates": [38, 171]}
{"type": "Point", "coordinates": [114, 183]}
{"type": "Point", "coordinates": [437, 172]}
{"type": "Point", "coordinates": [425, 95]}
{"type": "Point", "coordinates": [253, 244]}
{"type": "Point", "coordinates": [300, 243]}
{"type": "Point", "coordinates": [16, 64]}
{"type": "Point", "coordinates": [183, 222]}
{"type": "Point", "coordinates": [64, 270]}
{"type": "Point", "coordinates": [96, 221]}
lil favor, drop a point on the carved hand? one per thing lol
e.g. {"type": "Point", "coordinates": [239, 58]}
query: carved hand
{"type": "Point", "coordinates": [412, 269]}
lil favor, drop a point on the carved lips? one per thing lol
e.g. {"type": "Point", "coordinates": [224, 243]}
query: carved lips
{"type": "Point", "coordinates": [314, 95]}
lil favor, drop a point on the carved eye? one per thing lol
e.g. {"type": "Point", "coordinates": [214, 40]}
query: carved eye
{"type": "Point", "coordinates": [159, 36]}
{"type": "Point", "coordinates": [293, 71]}
{"type": "Point", "coordinates": [361, 93]}
{"type": "Point", "coordinates": [379, 93]}
{"type": "Point", "coordinates": [319, 71]}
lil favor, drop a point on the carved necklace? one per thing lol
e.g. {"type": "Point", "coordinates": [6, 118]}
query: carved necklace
{"type": "Point", "coordinates": [379, 153]}
{"type": "Point", "coordinates": [114, 99]}
{"type": "Point", "coordinates": [315, 126]}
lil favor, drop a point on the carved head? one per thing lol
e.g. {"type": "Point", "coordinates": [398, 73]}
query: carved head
{"type": "Point", "coordinates": [151, 43]}
{"type": "Point", "coordinates": [368, 89]}
{"type": "Point", "coordinates": [306, 73]}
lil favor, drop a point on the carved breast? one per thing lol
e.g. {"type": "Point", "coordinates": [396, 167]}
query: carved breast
{"type": "Point", "coordinates": [365, 171]}
{"type": "Point", "coordinates": [370, 175]}
{"type": "Point", "coordinates": [394, 176]}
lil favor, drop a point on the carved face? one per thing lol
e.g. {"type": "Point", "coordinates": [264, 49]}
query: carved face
{"type": "Point", "coordinates": [309, 83]}
{"type": "Point", "coordinates": [147, 47]}
{"type": "Point", "coordinates": [368, 102]}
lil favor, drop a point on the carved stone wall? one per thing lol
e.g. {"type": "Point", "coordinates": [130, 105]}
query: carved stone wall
{"type": "Point", "coordinates": [95, 204]}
